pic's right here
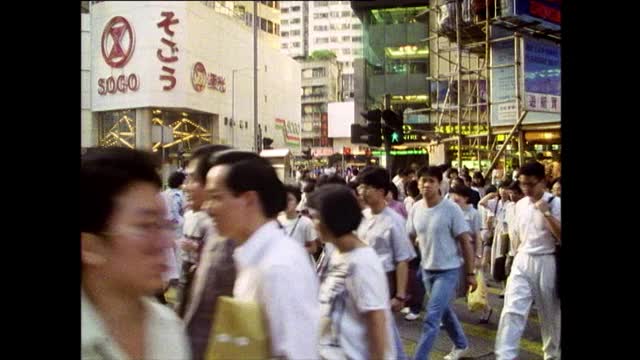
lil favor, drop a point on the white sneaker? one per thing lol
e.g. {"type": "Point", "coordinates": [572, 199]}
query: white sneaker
{"type": "Point", "coordinates": [411, 316]}
{"type": "Point", "coordinates": [405, 311]}
{"type": "Point", "coordinates": [456, 354]}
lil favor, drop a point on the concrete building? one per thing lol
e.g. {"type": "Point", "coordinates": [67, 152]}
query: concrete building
{"type": "Point", "coordinates": [169, 76]}
{"type": "Point", "coordinates": [319, 87]}
{"type": "Point", "coordinates": [323, 25]}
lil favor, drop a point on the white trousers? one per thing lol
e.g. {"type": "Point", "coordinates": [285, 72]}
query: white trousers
{"type": "Point", "coordinates": [533, 278]}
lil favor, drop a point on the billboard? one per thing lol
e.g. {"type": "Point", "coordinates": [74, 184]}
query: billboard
{"type": "Point", "coordinates": [341, 116]}
{"type": "Point", "coordinates": [541, 75]}
{"type": "Point", "coordinates": [547, 13]}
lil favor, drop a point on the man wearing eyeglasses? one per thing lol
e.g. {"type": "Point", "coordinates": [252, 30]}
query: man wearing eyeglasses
{"type": "Point", "coordinates": [533, 273]}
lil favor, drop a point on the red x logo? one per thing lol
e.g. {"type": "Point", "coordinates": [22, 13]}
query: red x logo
{"type": "Point", "coordinates": [118, 42]}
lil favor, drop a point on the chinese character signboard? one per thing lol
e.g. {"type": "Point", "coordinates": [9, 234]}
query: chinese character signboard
{"type": "Point", "coordinates": [324, 130]}
{"type": "Point", "coordinates": [541, 76]}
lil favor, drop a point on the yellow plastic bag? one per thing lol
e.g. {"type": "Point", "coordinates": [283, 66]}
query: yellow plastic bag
{"type": "Point", "coordinates": [477, 300]}
{"type": "Point", "coordinates": [239, 331]}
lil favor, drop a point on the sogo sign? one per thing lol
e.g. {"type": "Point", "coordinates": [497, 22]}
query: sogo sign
{"type": "Point", "coordinates": [117, 45]}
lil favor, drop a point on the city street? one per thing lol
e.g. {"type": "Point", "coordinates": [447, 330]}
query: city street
{"type": "Point", "coordinates": [481, 336]}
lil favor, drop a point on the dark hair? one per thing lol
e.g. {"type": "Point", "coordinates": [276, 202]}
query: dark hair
{"type": "Point", "coordinates": [338, 207]}
{"type": "Point", "coordinates": [534, 169]}
{"type": "Point", "coordinates": [412, 188]}
{"type": "Point", "coordinates": [491, 189]}
{"type": "Point", "coordinates": [293, 190]}
{"type": "Point", "coordinates": [478, 175]}
{"type": "Point", "coordinates": [451, 170]}
{"type": "Point", "coordinates": [431, 171]}
{"type": "Point", "coordinates": [176, 179]}
{"type": "Point", "coordinates": [466, 177]}
{"type": "Point", "coordinates": [330, 179]}
{"type": "Point", "coordinates": [401, 171]}
{"type": "Point", "coordinates": [394, 190]}
{"type": "Point", "coordinates": [310, 186]}
{"type": "Point", "coordinates": [250, 172]}
{"type": "Point", "coordinates": [104, 174]}
{"type": "Point", "coordinates": [505, 184]}
{"type": "Point", "coordinates": [203, 155]}
{"type": "Point", "coordinates": [457, 179]}
{"type": "Point", "coordinates": [515, 186]}
{"type": "Point", "coordinates": [375, 177]}
{"type": "Point", "coordinates": [353, 185]}
{"type": "Point", "coordinates": [355, 172]}
{"type": "Point", "coordinates": [463, 191]}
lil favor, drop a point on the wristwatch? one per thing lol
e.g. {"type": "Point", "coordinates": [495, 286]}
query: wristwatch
{"type": "Point", "coordinates": [546, 213]}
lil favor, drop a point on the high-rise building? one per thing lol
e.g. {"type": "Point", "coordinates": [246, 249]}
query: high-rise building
{"type": "Point", "coordinates": [268, 16]}
{"type": "Point", "coordinates": [319, 87]}
{"type": "Point", "coordinates": [323, 25]}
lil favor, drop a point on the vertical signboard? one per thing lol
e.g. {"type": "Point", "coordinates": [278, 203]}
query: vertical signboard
{"type": "Point", "coordinates": [324, 130]}
{"type": "Point", "coordinates": [503, 83]}
{"type": "Point", "coordinates": [541, 76]}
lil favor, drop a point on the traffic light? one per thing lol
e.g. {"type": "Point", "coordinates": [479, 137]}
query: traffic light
{"type": "Point", "coordinates": [374, 127]}
{"type": "Point", "coordinates": [392, 131]}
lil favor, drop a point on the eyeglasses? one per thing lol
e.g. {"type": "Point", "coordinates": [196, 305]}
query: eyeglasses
{"type": "Point", "coordinates": [529, 184]}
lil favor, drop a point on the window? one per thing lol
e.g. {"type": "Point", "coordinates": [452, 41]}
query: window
{"type": "Point", "coordinates": [356, 26]}
{"type": "Point", "coordinates": [418, 67]}
{"type": "Point", "coordinates": [321, 3]}
{"type": "Point", "coordinates": [357, 52]}
{"type": "Point", "coordinates": [356, 39]}
{"type": "Point", "coordinates": [320, 15]}
{"type": "Point", "coordinates": [322, 40]}
{"type": "Point", "coordinates": [269, 27]}
{"type": "Point", "coordinates": [284, 22]}
{"type": "Point", "coordinates": [263, 24]}
{"type": "Point", "coordinates": [285, 46]}
{"type": "Point", "coordinates": [346, 14]}
{"type": "Point", "coordinates": [334, 39]}
{"type": "Point", "coordinates": [295, 21]}
{"type": "Point", "coordinates": [346, 51]}
{"type": "Point", "coordinates": [296, 44]}
{"type": "Point", "coordinates": [276, 29]}
{"type": "Point", "coordinates": [284, 10]}
{"type": "Point", "coordinates": [307, 73]}
{"type": "Point", "coordinates": [295, 32]}
{"type": "Point", "coordinates": [346, 38]}
{"type": "Point", "coordinates": [321, 28]}
{"type": "Point", "coordinates": [333, 27]}
{"type": "Point", "coordinates": [345, 26]}
{"type": "Point", "coordinates": [335, 14]}
{"type": "Point", "coordinates": [319, 72]}
{"type": "Point", "coordinates": [285, 34]}
{"type": "Point", "coordinates": [295, 9]}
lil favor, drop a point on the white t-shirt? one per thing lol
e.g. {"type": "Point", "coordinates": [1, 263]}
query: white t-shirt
{"type": "Point", "coordinates": [399, 183]}
{"type": "Point", "coordinates": [436, 229]}
{"type": "Point", "coordinates": [535, 237]}
{"type": "Point", "coordinates": [408, 203]}
{"type": "Point", "coordinates": [386, 234]}
{"type": "Point", "coordinates": [355, 283]}
{"type": "Point", "coordinates": [303, 232]}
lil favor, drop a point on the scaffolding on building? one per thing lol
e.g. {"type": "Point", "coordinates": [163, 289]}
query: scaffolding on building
{"type": "Point", "coordinates": [459, 41]}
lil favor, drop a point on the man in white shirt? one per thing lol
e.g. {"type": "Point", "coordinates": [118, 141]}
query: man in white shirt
{"type": "Point", "coordinates": [244, 199]}
{"type": "Point", "coordinates": [533, 274]}
{"type": "Point", "coordinates": [384, 230]}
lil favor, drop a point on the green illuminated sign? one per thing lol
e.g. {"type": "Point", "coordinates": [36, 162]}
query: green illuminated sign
{"type": "Point", "coordinates": [400, 152]}
{"type": "Point", "coordinates": [395, 137]}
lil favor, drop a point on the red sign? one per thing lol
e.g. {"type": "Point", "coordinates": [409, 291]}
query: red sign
{"type": "Point", "coordinates": [199, 77]}
{"type": "Point", "coordinates": [118, 42]}
{"type": "Point", "coordinates": [166, 24]}
{"type": "Point", "coordinates": [324, 130]}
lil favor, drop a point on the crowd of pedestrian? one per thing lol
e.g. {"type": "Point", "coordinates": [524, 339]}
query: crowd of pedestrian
{"type": "Point", "coordinates": [326, 261]}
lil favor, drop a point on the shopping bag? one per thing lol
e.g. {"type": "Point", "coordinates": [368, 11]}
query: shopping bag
{"type": "Point", "coordinates": [239, 331]}
{"type": "Point", "coordinates": [477, 300]}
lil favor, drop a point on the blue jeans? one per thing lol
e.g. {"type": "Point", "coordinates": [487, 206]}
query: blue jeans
{"type": "Point", "coordinates": [400, 354]}
{"type": "Point", "coordinates": [441, 287]}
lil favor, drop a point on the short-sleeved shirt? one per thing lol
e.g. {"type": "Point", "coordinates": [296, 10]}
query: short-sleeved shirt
{"type": "Point", "coordinates": [303, 232]}
{"type": "Point", "coordinates": [472, 217]}
{"type": "Point", "coordinates": [355, 284]}
{"type": "Point", "coordinates": [534, 234]}
{"type": "Point", "coordinates": [436, 229]}
{"type": "Point", "coordinates": [386, 234]}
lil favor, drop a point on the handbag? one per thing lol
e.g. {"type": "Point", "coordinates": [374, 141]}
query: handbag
{"type": "Point", "coordinates": [239, 331]}
{"type": "Point", "coordinates": [499, 268]}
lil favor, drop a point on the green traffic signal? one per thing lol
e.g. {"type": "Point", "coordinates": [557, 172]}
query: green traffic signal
{"type": "Point", "coordinates": [395, 137]}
